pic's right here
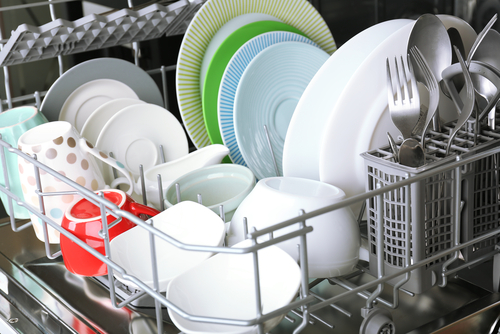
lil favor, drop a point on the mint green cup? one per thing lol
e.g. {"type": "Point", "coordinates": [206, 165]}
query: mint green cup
{"type": "Point", "coordinates": [13, 123]}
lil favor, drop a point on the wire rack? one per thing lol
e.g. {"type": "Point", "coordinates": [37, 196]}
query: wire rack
{"type": "Point", "coordinates": [393, 217]}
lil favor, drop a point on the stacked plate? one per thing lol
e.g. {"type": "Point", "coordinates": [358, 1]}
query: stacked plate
{"type": "Point", "coordinates": [117, 107]}
{"type": "Point", "coordinates": [234, 46]}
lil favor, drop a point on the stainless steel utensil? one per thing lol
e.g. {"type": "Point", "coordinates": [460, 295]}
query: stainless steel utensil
{"type": "Point", "coordinates": [404, 105]}
{"type": "Point", "coordinates": [394, 147]}
{"type": "Point", "coordinates": [411, 153]}
{"type": "Point", "coordinates": [479, 39]}
{"type": "Point", "coordinates": [431, 83]}
{"type": "Point", "coordinates": [431, 37]}
{"type": "Point", "coordinates": [468, 104]}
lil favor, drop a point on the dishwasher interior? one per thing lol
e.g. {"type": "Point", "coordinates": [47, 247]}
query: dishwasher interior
{"type": "Point", "coordinates": [450, 289]}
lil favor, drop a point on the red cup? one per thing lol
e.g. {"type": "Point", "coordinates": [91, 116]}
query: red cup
{"type": "Point", "coordinates": [83, 219]}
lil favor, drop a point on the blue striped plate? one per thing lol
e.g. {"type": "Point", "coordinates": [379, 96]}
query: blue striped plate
{"type": "Point", "coordinates": [231, 78]}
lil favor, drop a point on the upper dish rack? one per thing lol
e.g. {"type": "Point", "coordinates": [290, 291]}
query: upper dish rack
{"type": "Point", "coordinates": [61, 37]}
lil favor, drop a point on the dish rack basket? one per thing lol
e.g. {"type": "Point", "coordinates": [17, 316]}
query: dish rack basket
{"type": "Point", "coordinates": [450, 207]}
{"type": "Point", "coordinates": [415, 235]}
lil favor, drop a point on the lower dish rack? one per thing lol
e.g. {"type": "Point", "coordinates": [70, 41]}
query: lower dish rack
{"type": "Point", "coordinates": [381, 288]}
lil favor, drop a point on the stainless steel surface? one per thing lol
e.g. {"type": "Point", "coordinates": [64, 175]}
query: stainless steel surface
{"type": "Point", "coordinates": [394, 147]}
{"type": "Point", "coordinates": [411, 153]}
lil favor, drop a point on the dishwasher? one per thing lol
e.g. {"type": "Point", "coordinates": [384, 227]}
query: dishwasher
{"type": "Point", "coordinates": [442, 277]}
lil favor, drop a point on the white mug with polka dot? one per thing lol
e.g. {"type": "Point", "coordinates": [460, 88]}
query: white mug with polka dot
{"type": "Point", "coordinates": [59, 146]}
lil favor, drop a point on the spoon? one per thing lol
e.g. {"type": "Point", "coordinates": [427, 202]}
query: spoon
{"type": "Point", "coordinates": [431, 37]}
{"type": "Point", "coordinates": [411, 153]}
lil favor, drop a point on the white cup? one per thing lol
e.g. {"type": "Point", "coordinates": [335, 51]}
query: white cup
{"type": "Point", "coordinates": [59, 146]}
{"type": "Point", "coordinates": [334, 244]}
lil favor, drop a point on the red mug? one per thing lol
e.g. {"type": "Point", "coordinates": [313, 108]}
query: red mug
{"type": "Point", "coordinates": [83, 219]}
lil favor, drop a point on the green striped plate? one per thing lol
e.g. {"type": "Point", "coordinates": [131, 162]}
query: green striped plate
{"type": "Point", "coordinates": [211, 17]}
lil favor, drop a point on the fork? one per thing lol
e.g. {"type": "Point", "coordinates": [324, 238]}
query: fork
{"type": "Point", "coordinates": [468, 101]}
{"type": "Point", "coordinates": [432, 85]}
{"type": "Point", "coordinates": [404, 109]}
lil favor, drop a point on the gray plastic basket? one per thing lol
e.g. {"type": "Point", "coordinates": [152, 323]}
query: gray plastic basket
{"type": "Point", "coordinates": [432, 223]}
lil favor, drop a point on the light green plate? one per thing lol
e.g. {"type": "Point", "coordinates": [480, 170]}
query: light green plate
{"type": "Point", "coordinates": [219, 63]}
{"type": "Point", "coordinates": [205, 24]}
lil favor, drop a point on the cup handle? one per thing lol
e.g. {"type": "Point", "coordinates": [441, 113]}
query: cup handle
{"type": "Point", "coordinates": [129, 179]}
{"type": "Point", "coordinates": [138, 208]}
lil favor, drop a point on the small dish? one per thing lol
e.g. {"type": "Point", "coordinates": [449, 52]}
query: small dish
{"type": "Point", "coordinates": [187, 222]}
{"type": "Point", "coordinates": [227, 29]}
{"type": "Point", "coordinates": [227, 290]}
{"type": "Point", "coordinates": [88, 97]}
{"type": "Point", "coordinates": [222, 184]}
{"type": "Point", "coordinates": [135, 133]}
{"type": "Point", "coordinates": [100, 68]}
{"type": "Point", "coordinates": [96, 121]}
{"type": "Point", "coordinates": [267, 95]}
{"type": "Point", "coordinates": [231, 78]}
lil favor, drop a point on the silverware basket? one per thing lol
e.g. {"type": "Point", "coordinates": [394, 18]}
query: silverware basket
{"type": "Point", "coordinates": [427, 214]}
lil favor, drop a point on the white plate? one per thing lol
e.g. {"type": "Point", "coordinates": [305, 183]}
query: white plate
{"type": "Point", "coordinates": [231, 78]}
{"type": "Point", "coordinates": [227, 290]}
{"type": "Point", "coordinates": [359, 120]}
{"type": "Point", "coordinates": [302, 143]}
{"type": "Point", "coordinates": [267, 95]}
{"type": "Point", "coordinates": [100, 68]}
{"type": "Point", "coordinates": [96, 121]}
{"type": "Point", "coordinates": [188, 222]}
{"type": "Point", "coordinates": [135, 133]}
{"type": "Point", "coordinates": [227, 29]}
{"type": "Point", "coordinates": [88, 97]}
{"type": "Point", "coordinates": [299, 14]}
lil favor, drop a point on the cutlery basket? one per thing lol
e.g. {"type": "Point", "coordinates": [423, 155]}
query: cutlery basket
{"type": "Point", "coordinates": [431, 203]}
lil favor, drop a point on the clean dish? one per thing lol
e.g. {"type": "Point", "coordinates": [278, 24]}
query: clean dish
{"type": "Point", "coordinates": [219, 63]}
{"type": "Point", "coordinates": [333, 245]}
{"type": "Point", "coordinates": [100, 68]}
{"type": "Point", "coordinates": [302, 142]}
{"type": "Point", "coordinates": [169, 171]}
{"type": "Point", "coordinates": [231, 78]}
{"type": "Point", "coordinates": [96, 121]}
{"type": "Point", "coordinates": [267, 95]}
{"type": "Point", "coordinates": [135, 134]}
{"type": "Point", "coordinates": [227, 29]}
{"type": "Point", "coordinates": [359, 120]}
{"type": "Point", "coordinates": [227, 290]}
{"type": "Point", "coordinates": [187, 222]}
{"type": "Point", "coordinates": [207, 21]}
{"type": "Point", "coordinates": [219, 185]}
{"type": "Point", "coordinates": [88, 97]}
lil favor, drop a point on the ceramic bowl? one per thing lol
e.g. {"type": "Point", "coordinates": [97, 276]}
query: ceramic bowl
{"type": "Point", "coordinates": [226, 290]}
{"type": "Point", "coordinates": [188, 222]}
{"type": "Point", "coordinates": [333, 246]}
{"type": "Point", "coordinates": [221, 184]}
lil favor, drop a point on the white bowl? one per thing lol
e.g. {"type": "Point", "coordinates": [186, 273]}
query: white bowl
{"type": "Point", "coordinates": [189, 223]}
{"type": "Point", "coordinates": [222, 184]}
{"type": "Point", "coordinates": [223, 287]}
{"type": "Point", "coordinates": [333, 246]}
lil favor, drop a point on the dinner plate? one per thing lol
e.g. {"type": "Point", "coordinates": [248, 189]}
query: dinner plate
{"type": "Point", "coordinates": [231, 78]}
{"type": "Point", "coordinates": [96, 121]}
{"type": "Point", "coordinates": [359, 120]}
{"type": "Point", "coordinates": [302, 142]}
{"type": "Point", "coordinates": [227, 29]}
{"type": "Point", "coordinates": [135, 133]}
{"type": "Point", "coordinates": [205, 24]}
{"type": "Point", "coordinates": [267, 95]}
{"type": "Point", "coordinates": [218, 64]}
{"type": "Point", "coordinates": [91, 95]}
{"type": "Point", "coordinates": [100, 68]}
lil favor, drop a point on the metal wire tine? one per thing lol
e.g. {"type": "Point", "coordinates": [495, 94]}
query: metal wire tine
{"type": "Point", "coordinates": [162, 155]}
{"type": "Point", "coordinates": [143, 185]}
{"type": "Point", "coordinates": [160, 192]}
{"type": "Point", "coordinates": [198, 197]}
{"type": "Point", "coordinates": [178, 192]}
{"type": "Point", "coordinates": [271, 150]}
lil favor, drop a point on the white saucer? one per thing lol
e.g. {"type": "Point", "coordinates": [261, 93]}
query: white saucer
{"type": "Point", "coordinates": [90, 96]}
{"type": "Point", "coordinates": [96, 121]}
{"type": "Point", "coordinates": [135, 133]}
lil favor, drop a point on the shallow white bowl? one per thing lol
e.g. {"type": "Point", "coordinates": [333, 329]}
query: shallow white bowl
{"type": "Point", "coordinates": [189, 223]}
{"type": "Point", "coordinates": [224, 287]}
